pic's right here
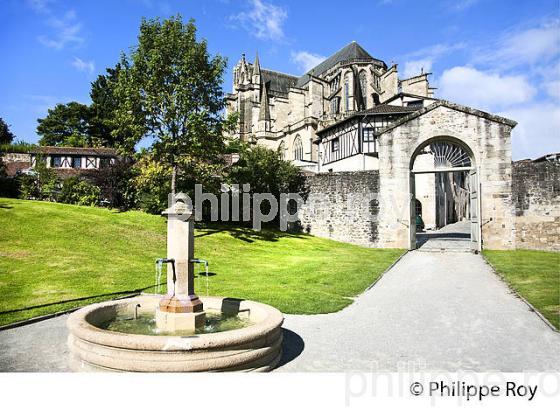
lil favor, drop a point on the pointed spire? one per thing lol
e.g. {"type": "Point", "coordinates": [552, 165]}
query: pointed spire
{"type": "Point", "coordinates": [257, 65]}
{"type": "Point", "coordinates": [264, 111]}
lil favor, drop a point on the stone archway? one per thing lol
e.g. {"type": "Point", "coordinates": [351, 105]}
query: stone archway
{"type": "Point", "coordinates": [447, 166]}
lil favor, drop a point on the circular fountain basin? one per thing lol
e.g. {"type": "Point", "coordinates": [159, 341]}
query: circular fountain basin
{"type": "Point", "coordinates": [255, 347]}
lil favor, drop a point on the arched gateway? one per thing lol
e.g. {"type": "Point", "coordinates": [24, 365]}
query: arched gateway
{"type": "Point", "coordinates": [444, 170]}
{"type": "Point", "coordinates": [472, 149]}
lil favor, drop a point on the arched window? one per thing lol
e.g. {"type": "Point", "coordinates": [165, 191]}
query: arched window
{"type": "Point", "coordinates": [298, 148]}
{"type": "Point", "coordinates": [282, 150]}
{"type": "Point", "coordinates": [363, 86]}
{"type": "Point", "coordinates": [347, 92]}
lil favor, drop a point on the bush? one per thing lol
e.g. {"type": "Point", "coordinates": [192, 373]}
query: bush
{"type": "Point", "coordinates": [79, 192]}
{"type": "Point", "coordinates": [116, 184]}
{"type": "Point", "coordinates": [9, 187]}
{"type": "Point", "coordinates": [152, 183]}
{"type": "Point", "coordinates": [42, 185]}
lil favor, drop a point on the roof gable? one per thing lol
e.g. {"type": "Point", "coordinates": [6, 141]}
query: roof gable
{"type": "Point", "coordinates": [453, 106]}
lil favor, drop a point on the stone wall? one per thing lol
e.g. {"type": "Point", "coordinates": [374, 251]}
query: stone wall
{"type": "Point", "coordinates": [342, 206]}
{"type": "Point", "coordinates": [15, 161]}
{"type": "Point", "coordinates": [536, 197]}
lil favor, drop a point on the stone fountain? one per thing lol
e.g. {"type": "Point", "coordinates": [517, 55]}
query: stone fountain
{"type": "Point", "coordinates": [178, 339]}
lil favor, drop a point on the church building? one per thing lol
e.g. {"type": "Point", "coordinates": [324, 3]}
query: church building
{"type": "Point", "coordinates": [298, 115]}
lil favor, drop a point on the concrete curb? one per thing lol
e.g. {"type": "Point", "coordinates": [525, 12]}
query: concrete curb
{"type": "Point", "coordinates": [52, 315]}
{"type": "Point", "coordinates": [518, 295]}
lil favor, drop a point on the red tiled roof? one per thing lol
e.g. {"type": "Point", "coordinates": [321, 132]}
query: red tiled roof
{"type": "Point", "coordinates": [98, 152]}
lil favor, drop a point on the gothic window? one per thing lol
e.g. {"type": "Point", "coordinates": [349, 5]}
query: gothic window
{"type": "Point", "coordinates": [335, 105]}
{"type": "Point", "coordinates": [363, 86]}
{"type": "Point", "coordinates": [347, 92]}
{"type": "Point", "coordinates": [335, 83]}
{"type": "Point", "coordinates": [298, 148]}
{"type": "Point", "coordinates": [282, 150]}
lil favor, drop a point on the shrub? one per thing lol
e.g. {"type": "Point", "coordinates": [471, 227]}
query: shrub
{"type": "Point", "coordinates": [9, 187]}
{"type": "Point", "coordinates": [80, 192]}
{"type": "Point", "coordinates": [43, 184]}
{"type": "Point", "coordinates": [152, 183]}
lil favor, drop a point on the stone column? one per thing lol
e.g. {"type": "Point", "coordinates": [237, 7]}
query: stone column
{"type": "Point", "coordinates": [180, 309]}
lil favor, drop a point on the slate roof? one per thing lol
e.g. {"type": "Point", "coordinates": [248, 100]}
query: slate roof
{"type": "Point", "coordinates": [351, 52]}
{"type": "Point", "coordinates": [279, 82]}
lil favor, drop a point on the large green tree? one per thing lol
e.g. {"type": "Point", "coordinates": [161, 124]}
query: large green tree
{"type": "Point", "coordinates": [103, 128]}
{"type": "Point", "coordinates": [66, 125]}
{"type": "Point", "coordinates": [170, 89]}
{"type": "Point", "coordinates": [6, 136]}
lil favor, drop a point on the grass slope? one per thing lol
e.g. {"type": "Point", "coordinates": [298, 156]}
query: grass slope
{"type": "Point", "coordinates": [51, 253]}
{"type": "Point", "coordinates": [535, 275]}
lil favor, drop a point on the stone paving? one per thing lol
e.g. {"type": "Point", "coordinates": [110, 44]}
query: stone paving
{"type": "Point", "coordinates": [452, 237]}
{"type": "Point", "coordinates": [432, 311]}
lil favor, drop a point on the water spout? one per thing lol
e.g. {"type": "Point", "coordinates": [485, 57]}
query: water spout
{"type": "Point", "coordinates": [159, 264]}
{"type": "Point", "coordinates": [136, 311]}
{"type": "Point", "coordinates": [205, 262]}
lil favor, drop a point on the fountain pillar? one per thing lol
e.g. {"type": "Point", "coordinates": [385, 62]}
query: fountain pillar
{"type": "Point", "coordinates": [180, 309]}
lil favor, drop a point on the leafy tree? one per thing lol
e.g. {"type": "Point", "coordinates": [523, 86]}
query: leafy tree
{"type": "Point", "coordinates": [104, 129]}
{"type": "Point", "coordinates": [170, 88]}
{"type": "Point", "coordinates": [66, 125]}
{"type": "Point", "coordinates": [6, 136]}
{"type": "Point", "coordinates": [266, 171]}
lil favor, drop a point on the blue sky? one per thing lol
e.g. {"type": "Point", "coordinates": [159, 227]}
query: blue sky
{"type": "Point", "coordinates": [499, 56]}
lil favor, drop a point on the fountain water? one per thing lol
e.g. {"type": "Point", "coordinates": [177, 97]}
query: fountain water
{"type": "Point", "coordinates": [177, 331]}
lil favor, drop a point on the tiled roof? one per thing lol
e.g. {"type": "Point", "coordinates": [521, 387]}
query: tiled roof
{"type": "Point", "coordinates": [98, 152]}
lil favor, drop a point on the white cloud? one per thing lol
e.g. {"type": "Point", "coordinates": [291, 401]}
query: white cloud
{"type": "Point", "coordinates": [85, 66]}
{"type": "Point", "coordinates": [39, 6]}
{"type": "Point", "coordinates": [535, 45]}
{"type": "Point", "coordinates": [306, 60]}
{"type": "Point", "coordinates": [426, 57]}
{"type": "Point", "coordinates": [65, 29]}
{"type": "Point", "coordinates": [537, 132]}
{"type": "Point", "coordinates": [415, 67]}
{"type": "Point", "coordinates": [484, 90]}
{"type": "Point", "coordinates": [263, 20]}
{"type": "Point", "coordinates": [461, 5]}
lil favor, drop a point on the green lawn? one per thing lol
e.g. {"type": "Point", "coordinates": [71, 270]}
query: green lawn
{"type": "Point", "coordinates": [535, 275]}
{"type": "Point", "coordinates": [55, 253]}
